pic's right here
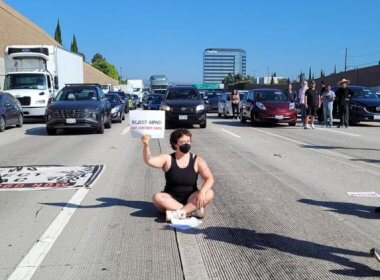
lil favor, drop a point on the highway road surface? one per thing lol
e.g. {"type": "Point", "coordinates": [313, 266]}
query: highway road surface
{"type": "Point", "coordinates": [281, 209]}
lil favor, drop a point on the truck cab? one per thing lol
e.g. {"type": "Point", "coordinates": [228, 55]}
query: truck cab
{"type": "Point", "coordinates": [35, 73]}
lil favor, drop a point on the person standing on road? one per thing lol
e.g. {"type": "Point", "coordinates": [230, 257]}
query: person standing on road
{"type": "Point", "coordinates": [291, 93]}
{"type": "Point", "coordinates": [328, 97]}
{"type": "Point", "coordinates": [301, 100]}
{"type": "Point", "coordinates": [181, 196]}
{"type": "Point", "coordinates": [312, 102]}
{"type": "Point", "coordinates": [235, 100]}
{"type": "Point", "coordinates": [343, 97]}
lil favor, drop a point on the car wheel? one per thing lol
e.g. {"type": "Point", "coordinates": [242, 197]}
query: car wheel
{"type": "Point", "coordinates": [242, 119]}
{"type": "Point", "coordinates": [51, 131]}
{"type": "Point", "coordinates": [292, 124]}
{"type": "Point", "coordinates": [20, 121]}
{"type": "Point", "coordinates": [100, 129]}
{"type": "Point", "coordinates": [2, 123]}
{"type": "Point", "coordinates": [109, 122]}
{"type": "Point", "coordinates": [253, 122]}
{"type": "Point", "coordinates": [203, 124]}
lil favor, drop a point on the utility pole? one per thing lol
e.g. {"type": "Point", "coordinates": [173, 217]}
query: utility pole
{"type": "Point", "coordinates": [345, 61]}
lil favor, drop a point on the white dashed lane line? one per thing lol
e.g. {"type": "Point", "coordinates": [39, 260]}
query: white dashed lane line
{"type": "Point", "coordinates": [230, 133]}
{"type": "Point", "coordinates": [125, 131]}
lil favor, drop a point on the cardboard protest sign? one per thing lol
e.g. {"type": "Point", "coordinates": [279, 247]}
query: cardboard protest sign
{"type": "Point", "coordinates": [147, 122]}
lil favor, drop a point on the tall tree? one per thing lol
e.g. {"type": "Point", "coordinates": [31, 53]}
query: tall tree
{"type": "Point", "coordinates": [272, 80]}
{"type": "Point", "coordinates": [335, 69]}
{"type": "Point", "coordinates": [301, 76]}
{"type": "Point", "coordinates": [74, 45]}
{"type": "Point", "coordinates": [97, 57]}
{"type": "Point", "coordinates": [310, 73]}
{"type": "Point", "coordinates": [57, 33]}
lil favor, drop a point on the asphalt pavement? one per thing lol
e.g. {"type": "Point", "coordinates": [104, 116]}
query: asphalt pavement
{"type": "Point", "coordinates": [281, 209]}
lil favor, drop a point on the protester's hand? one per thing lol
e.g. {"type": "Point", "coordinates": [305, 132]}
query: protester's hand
{"type": "Point", "coordinates": [145, 139]}
{"type": "Point", "coordinates": [201, 199]}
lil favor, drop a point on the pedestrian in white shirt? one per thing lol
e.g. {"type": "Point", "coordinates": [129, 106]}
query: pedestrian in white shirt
{"type": "Point", "coordinates": [301, 100]}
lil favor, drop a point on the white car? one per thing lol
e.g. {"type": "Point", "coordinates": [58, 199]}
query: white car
{"type": "Point", "coordinates": [225, 105]}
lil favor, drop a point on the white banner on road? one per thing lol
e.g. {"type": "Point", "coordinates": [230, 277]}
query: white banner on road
{"type": "Point", "coordinates": [363, 194]}
{"type": "Point", "coordinates": [47, 177]}
{"type": "Point", "coordinates": [147, 122]}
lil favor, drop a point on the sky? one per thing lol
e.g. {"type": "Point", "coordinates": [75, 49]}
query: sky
{"type": "Point", "coordinates": [146, 37]}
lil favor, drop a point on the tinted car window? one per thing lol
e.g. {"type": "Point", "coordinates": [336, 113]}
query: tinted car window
{"type": "Point", "coordinates": [270, 96]}
{"type": "Point", "coordinates": [182, 93]}
{"type": "Point", "coordinates": [213, 94]}
{"type": "Point", "coordinates": [365, 93]}
{"type": "Point", "coordinates": [113, 98]}
{"type": "Point", "coordinates": [77, 94]}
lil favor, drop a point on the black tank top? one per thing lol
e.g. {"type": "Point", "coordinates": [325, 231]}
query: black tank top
{"type": "Point", "coordinates": [181, 179]}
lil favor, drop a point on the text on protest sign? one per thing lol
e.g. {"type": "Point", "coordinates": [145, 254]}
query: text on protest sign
{"type": "Point", "coordinates": [147, 122]}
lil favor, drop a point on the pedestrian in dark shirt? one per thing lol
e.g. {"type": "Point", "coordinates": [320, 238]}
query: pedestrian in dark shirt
{"type": "Point", "coordinates": [343, 97]}
{"type": "Point", "coordinates": [292, 94]}
{"type": "Point", "coordinates": [312, 102]}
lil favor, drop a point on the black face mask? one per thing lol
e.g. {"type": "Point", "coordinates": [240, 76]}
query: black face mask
{"type": "Point", "coordinates": [185, 148]}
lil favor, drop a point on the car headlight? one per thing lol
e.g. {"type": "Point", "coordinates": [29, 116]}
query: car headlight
{"type": "Point", "coordinates": [115, 109]}
{"type": "Point", "coordinates": [42, 101]}
{"type": "Point", "coordinates": [260, 106]}
{"type": "Point", "coordinates": [200, 107]}
{"type": "Point", "coordinates": [92, 113]}
{"type": "Point", "coordinates": [292, 106]}
{"type": "Point", "coordinates": [165, 107]}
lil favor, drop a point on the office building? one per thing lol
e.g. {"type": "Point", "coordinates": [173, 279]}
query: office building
{"type": "Point", "coordinates": [218, 63]}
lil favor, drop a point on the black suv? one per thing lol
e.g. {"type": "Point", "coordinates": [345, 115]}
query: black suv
{"type": "Point", "coordinates": [79, 106]}
{"type": "Point", "coordinates": [183, 104]}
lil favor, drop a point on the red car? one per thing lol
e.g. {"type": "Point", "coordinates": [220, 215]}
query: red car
{"type": "Point", "coordinates": [268, 106]}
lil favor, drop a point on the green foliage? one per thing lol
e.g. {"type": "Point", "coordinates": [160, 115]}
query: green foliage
{"type": "Point", "coordinates": [57, 33]}
{"type": "Point", "coordinates": [237, 79]}
{"type": "Point", "coordinates": [335, 69]}
{"type": "Point", "coordinates": [74, 45]}
{"type": "Point", "coordinates": [100, 63]}
{"type": "Point", "coordinates": [98, 57]}
{"type": "Point", "coordinates": [310, 74]}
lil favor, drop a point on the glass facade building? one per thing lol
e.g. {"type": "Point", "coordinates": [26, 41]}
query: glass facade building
{"type": "Point", "coordinates": [218, 63]}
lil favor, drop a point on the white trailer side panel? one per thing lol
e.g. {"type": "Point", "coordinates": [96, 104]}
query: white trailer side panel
{"type": "Point", "coordinates": [69, 67]}
{"type": "Point", "coordinates": [2, 72]}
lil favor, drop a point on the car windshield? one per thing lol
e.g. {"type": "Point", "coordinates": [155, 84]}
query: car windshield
{"type": "Point", "coordinates": [77, 94]}
{"type": "Point", "coordinates": [112, 98]}
{"type": "Point", "coordinates": [25, 81]}
{"type": "Point", "coordinates": [364, 93]}
{"type": "Point", "coordinates": [182, 93]}
{"type": "Point", "coordinates": [213, 94]}
{"type": "Point", "coordinates": [271, 96]}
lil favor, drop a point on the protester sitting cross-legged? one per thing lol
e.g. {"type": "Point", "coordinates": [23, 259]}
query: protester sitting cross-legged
{"type": "Point", "coordinates": [181, 197]}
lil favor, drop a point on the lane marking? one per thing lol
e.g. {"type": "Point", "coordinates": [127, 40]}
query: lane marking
{"type": "Point", "coordinates": [126, 130]}
{"type": "Point", "coordinates": [230, 133]}
{"type": "Point", "coordinates": [29, 264]}
{"type": "Point", "coordinates": [318, 150]}
{"type": "Point", "coordinates": [342, 132]}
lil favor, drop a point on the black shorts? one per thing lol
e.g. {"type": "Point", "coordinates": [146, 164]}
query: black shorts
{"type": "Point", "coordinates": [312, 110]}
{"type": "Point", "coordinates": [182, 196]}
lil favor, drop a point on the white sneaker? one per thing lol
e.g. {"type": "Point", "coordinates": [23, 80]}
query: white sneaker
{"type": "Point", "coordinates": [199, 213]}
{"type": "Point", "coordinates": [176, 214]}
{"type": "Point", "coordinates": [312, 126]}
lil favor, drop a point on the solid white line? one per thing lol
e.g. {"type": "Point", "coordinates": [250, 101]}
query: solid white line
{"type": "Point", "coordinates": [230, 133]}
{"type": "Point", "coordinates": [126, 130]}
{"type": "Point", "coordinates": [29, 264]}
{"type": "Point", "coordinates": [336, 131]}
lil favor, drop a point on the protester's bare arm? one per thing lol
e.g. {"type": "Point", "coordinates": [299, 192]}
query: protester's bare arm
{"type": "Point", "coordinates": [208, 180]}
{"type": "Point", "coordinates": [157, 161]}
